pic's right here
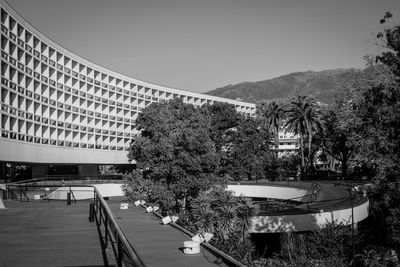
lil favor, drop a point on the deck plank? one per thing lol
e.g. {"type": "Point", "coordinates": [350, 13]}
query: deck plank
{"type": "Point", "coordinates": [41, 233]}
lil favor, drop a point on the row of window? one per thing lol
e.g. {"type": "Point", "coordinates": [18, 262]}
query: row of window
{"type": "Point", "coordinates": [60, 143]}
{"type": "Point", "coordinates": [106, 138]}
{"type": "Point", "coordinates": [72, 96]}
{"type": "Point", "coordinates": [91, 126]}
{"type": "Point", "coordinates": [44, 107]}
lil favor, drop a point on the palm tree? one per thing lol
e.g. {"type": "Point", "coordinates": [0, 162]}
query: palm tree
{"type": "Point", "coordinates": [228, 217]}
{"type": "Point", "coordinates": [303, 119]}
{"type": "Point", "coordinates": [273, 115]}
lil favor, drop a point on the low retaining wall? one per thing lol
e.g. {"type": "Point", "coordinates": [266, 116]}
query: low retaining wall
{"type": "Point", "coordinates": [106, 190]}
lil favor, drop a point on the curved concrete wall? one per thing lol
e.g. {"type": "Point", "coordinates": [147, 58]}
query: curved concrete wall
{"type": "Point", "coordinates": [266, 191]}
{"type": "Point", "coordinates": [306, 221]}
{"type": "Point", "coordinates": [54, 100]}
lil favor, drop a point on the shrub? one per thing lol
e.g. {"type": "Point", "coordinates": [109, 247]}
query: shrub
{"type": "Point", "coordinates": [136, 188]}
{"type": "Point", "coordinates": [228, 217]}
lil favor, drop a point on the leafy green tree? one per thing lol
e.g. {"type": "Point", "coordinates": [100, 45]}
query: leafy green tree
{"type": "Point", "coordinates": [288, 164]}
{"type": "Point", "coordinates": [302, 118]}
{"type": "Point", "coordinates": [372, 116]}
{"type": "Point", "coordinates": [154, 192]}
{"type": "Point", "coordinates": [174, 147]}
{"type": "Point", "coordinates": [272, 115]}
{"type": "Point", "coordinates": [329, 246]}
{"type": "Point", "coordinates": [223, 125]}
{"type": "Point", "coordinates": [334, 140]}
{"type": "Point", "coordinates": [249, 153]}
{"type": "Point", "coordinates": [371, 112]}
{"type": "Point", "coordinates": [224, 119]}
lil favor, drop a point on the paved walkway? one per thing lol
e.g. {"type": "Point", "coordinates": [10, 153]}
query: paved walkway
{"type": "Point", "coordinates": [41, 233]}
{"type": "Point", "coordinates": [157, 244]}
{"type": "Point", "coordinates": [330, 197]}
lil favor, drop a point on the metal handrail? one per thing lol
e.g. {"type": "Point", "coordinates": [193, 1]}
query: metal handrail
{"type": "Point", "coordinates": [23, 182]}
{"type": "Point", "coordinates": [10, 191]}
{"type": "Point", "coordinates": [72, 194]}
{"type": "Point", "coordinates": [22, 192]}
{"type": "Point", "coordinates": [124, 252]}
{"type": "Point", "coordinates": [19, 186]}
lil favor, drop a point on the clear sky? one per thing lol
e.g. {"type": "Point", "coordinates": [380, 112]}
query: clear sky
{"type": "Point", "coordinates": [199, 45]}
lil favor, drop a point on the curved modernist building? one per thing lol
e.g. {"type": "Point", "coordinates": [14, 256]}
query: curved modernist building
{"type": "Point", "coordinates": [58, 108]}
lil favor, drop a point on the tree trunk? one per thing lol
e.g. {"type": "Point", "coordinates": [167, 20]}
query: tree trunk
{"type": "Point", "coordinates": [309, 143]}
{"type": "Point", "coordinates": [344, 166]}
{"type": "Point", "coordinates": [249, 176]}
{"type": "Point", "coordinates": [302, 157]}
{"type": "Point", "coordinates": [276, 140]}
{"type": "Point", "coordinates": [184, 204]}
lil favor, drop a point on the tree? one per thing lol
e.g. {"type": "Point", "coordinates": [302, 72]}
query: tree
{"type": "Point", "coordinates": [224, 119]}
{"type": "Point", "coordinates": [249, 152]}
{"type": "Point", "coordinates": [329, 246]}
{"type": "Point", "coordinates": [372, 115]}
{"type": "Point", "coordinates": [272, 114]}
{"type": "Point", "coordinates": [302, 118]}
{"type": "Point", "coordinates": [229, 218]}
{"type": "Point", "coordinates": [154, 192]}
{"type": "Point", "coordinates": [334, 139]}
{"type": "Point", "coordinates": [288, 164]}
{"type": "Point", "coordinates": [174, 147]}
{"type": "Point", "coordinates": [223, 125]}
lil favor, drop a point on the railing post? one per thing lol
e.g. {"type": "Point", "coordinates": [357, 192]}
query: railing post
{"type": "Point", "coordinates": [106, 232]}
{"type": "Point", "coordinates": [69, 198]}
{"type": "Point", "coordinates": [119, 257]}
{"type": "Point", "coordinates": [91, 212]}
{"type": "Point", "coordinates": [5, 193]}
{"type": "Point", "coordinates": [100, 215]}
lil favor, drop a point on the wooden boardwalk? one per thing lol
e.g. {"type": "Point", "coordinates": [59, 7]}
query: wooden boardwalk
{"type": "Point", "coordinates": [157, 244]}
{"type": "Point", "coordinates": [41, 233]}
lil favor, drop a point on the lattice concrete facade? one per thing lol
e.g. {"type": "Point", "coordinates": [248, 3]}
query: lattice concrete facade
{"type": "Point", "coordinates": [57, 107]}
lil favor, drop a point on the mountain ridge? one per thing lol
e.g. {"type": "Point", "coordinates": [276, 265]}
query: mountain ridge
{"type": "Point", "coordinates": [322, 85]}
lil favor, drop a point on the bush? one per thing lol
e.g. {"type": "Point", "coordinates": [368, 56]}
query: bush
{"type": "Point", "coordinates": [330, 246]}
{"type": "Point", "coordinates": [228, 217]}
{"type": "Point", "coordinates": [137, 188]}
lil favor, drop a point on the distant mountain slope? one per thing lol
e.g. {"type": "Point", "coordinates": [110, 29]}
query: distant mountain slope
{"type": "Point", "coordinates": [322, 85]}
